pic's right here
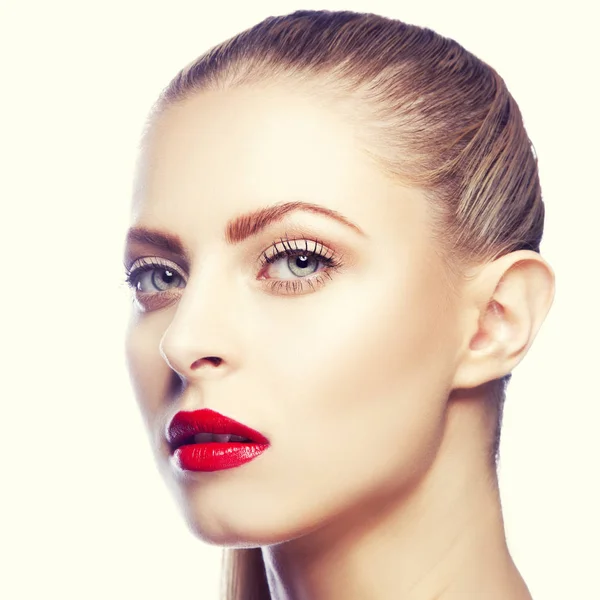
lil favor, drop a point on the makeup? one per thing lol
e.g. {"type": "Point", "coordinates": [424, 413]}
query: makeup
{"type": "Point", "coordinates": [205, 440]}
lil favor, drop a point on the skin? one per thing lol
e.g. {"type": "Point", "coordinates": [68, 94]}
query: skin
{"type": "Point", "coordinates": [369, 387]}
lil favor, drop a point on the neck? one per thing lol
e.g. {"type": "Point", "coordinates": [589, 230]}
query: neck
{"type": "Point", "coordinates": [443, 539]}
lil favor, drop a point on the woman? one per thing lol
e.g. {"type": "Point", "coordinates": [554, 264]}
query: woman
{"type": "Point", "coordinates": [335, 259]}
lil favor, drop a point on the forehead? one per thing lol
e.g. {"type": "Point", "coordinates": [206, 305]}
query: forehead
{"type": "Point", "coordinates": [224, 152]}
{"type": "Point", "coordinates": [265, 137]}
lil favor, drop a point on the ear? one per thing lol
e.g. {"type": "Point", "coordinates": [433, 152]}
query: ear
{"type": "Point", "coordinates": [504, 304]}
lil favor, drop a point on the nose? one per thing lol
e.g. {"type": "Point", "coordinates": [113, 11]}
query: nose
{"type": "Point", "coordinates": [199, 341]}
{"type": "Point", "coordinates": [181, 360]}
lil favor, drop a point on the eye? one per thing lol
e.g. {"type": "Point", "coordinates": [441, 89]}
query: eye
{"type": "Point", "coordinates": [298, 264]}
{"type": "Point", "coordinates": [153, 275]}
{"type": "Point", "coordinates": [290, 264]}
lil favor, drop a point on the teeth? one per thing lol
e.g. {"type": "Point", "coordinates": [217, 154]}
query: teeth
{"type": "Point", "coordinates": [203, 438]}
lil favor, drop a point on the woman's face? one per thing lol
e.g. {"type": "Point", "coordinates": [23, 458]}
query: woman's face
{"type": "Point", "coordinates": [340, 352]}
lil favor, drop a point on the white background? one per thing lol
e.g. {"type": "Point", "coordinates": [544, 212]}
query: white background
{"type": "Point", "coordinates": [84, 513]}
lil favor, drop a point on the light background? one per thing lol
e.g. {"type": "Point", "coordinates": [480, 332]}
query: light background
{"type": "Point", "coordinates": [83, 511]}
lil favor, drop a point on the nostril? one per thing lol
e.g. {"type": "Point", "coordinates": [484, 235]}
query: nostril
{"type": "Point", "coordinates": [213, 360]}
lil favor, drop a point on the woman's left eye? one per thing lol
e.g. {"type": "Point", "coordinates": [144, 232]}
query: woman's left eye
{"type": "Point", "coordinates": [300, 259]}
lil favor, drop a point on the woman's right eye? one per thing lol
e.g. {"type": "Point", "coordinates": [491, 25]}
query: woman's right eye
{"type": "Point", "coordinates": [153, 276]}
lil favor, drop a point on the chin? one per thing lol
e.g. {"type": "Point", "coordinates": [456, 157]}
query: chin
{"type": "Point", "coordinates": [245, 520]}
{"type": "Point", "coordinates": [239, 528]}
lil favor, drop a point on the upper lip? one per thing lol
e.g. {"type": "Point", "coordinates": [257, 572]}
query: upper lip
{"type": "Point", "coordinates": [186, 424]}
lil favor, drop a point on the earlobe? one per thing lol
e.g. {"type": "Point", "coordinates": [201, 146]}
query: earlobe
{"type": "Point", "coordinates": [505, 304]}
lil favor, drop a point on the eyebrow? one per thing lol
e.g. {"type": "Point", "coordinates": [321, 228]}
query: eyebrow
{"type": "Point", "coordinates": [239, 228]}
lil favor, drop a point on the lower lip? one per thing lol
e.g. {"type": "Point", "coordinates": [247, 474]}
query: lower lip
{"type": "Point", "coordinates": [215, 456]}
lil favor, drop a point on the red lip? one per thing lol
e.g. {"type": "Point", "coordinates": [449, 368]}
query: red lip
{"type": "Point", "coordinates": [211, 456]}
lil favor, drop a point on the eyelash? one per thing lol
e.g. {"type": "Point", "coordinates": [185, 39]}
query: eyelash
{"type": "Point", "coordinates": [312, 249]}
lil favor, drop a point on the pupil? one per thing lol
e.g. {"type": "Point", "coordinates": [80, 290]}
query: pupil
{"type": "Point", "coordinates": [301, 261]}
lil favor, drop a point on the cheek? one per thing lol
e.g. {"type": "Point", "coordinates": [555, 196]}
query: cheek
{"type": "Point", "coordinates": [148, 372]}
{"type": "Point", "coordinates": [369, 337]}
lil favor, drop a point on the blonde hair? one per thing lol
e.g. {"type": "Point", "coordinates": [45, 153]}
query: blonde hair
{"type": "Point", "coordinates": [432, 115]}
